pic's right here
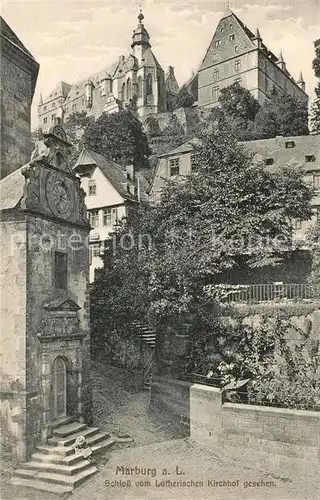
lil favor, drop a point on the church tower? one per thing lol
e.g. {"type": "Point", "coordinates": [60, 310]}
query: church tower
{"type": "Point", "coordinates": [140, 40]}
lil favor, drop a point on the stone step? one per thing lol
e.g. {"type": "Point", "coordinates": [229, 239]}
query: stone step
{"type": "Point", "coordinates": [68, 470]}
{"type": "Point", "coordinates": [96, 438]}
{"type": "Point", "coordinates": [103, 445]}
{"type": "Point", "coordinates": [61, 479]}
{"type": "Point", "coordinates": [56, 459]}
{"type": "Point", "coordinates": [72, 428]}
{"type": "Point", "coordinates": [55, 450]}
{"type": "Point", "coordinates": [62, 421]}
{"type": "Point", "coordinates": [56, 489]}
{"type": "Point", "coordinates": [69, 440]}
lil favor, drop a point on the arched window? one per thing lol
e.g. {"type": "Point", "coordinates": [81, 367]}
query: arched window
{"type": "Point", "coordinates": [149, 85]}
{"type": "Point", "coordinates": [129, 89]}
{"type": "Point", "coordinates": [123, 91]}
{"type": "Point", "coordinates": [139, 86]}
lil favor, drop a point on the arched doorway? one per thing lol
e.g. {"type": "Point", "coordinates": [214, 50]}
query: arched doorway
{"type": "Point", "coordinates": [59, 387]}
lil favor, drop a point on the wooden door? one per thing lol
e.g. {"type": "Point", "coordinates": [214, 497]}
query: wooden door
{"type": "Point", "coordinates": [59, 388]}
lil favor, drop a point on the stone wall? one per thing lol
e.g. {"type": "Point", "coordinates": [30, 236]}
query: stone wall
{"type": "Point", "coordinates": [273, 439]}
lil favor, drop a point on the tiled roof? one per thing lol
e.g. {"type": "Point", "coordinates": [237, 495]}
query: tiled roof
{"type": "Point", "coordinates": [149, 59]}
{"type": "Point", "coordinates": [304, 145]}
{"type": "Point", "coordinates": [11, 190]}
{"type": "Point", "coordinates": [78, 89]}
{"type": "Point", "coordinates": [186, 147]}
{"type": "Point", "coordinates": [115, 173]}
{"type": "Point", "coordinates": [60, 90]}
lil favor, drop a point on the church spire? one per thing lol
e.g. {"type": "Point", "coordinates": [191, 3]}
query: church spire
{"type": "Point", "coordinates": [281, 62]}
{"type": "Point", "coordinates": [140, 39]}
{"type": "Point", "coordinates": [301, 82]}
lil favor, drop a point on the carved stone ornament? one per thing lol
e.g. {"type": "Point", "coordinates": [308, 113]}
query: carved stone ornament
{"type": "Point", "coordinates": [31, 190]}
{"type": "Point", "coordinates": [60, 320]}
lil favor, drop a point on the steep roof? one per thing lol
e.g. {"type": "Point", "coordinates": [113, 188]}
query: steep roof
{"type": "Point", "coordinates": [115, 173]}
{"type": "Point", "coordinates": [11, 190]}
{"type": "Point", "coordinates": [186, 147]}
{"type": "Point", "coordinates": [78, 89]}
{"type": "Point", "coordinates": [60, 90]}
{"type": "Point", "coordinates": [149, 59]}
{"type": "Point", "coordinates": [7, 32]}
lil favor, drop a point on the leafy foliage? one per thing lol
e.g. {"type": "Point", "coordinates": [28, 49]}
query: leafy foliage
{"type": "Point", "coordinates": [74, 127]}
{"type": "Point", "coordinates": [120, 137]}
{"type": "Point", "coordinates": [282, 114]}
{"type": "Point", "coordinates": [313, 239]}
{"type": "Point", "coordinates": [315, 116]}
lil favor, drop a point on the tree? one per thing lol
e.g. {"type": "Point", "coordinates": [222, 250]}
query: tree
{"type": "Point", "coordinates": [282, 114]}
{"type": "Point", "coordinates": [120, 137]}
{"type": "Point", "coordinates": [230, 212]}
{"type": "Point", "coordinates": [238, 108]}
{"type": "Point", "coordinates": [315, 117]}
{"type": "Point", "coordinates": [75, 126]}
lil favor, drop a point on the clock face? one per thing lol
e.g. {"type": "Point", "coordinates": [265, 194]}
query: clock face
{"type": "Point", "coordinates": [59, 196]}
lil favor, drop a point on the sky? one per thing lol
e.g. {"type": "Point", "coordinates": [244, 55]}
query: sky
{"type": "Point", "coordinates": [71, 40]}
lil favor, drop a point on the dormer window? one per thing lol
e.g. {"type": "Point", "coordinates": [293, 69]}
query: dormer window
{"type": "Point", "coordinates": [236, 49]}
{"type": "Point", "coordinates": [237, 65]}
{"type": "Point", "coordinates": [217, 43]}
{"type": "Point", "coordinates": [290, 144]}
{"type": "Point", "coordinates": [310, 158]}
{"type": "Point", "coordinates": [215, 73]}
{"type": "Point", "coordinates": [53, 104]}
{"type": "Point", "coordinates": [44, 108]}
{"type": "Point", "coordinates": [269, 161]}
{"type": "Point", "coordinates": [222, 29]}
{"type": "Point", "coordinates": [174, 165]}
{"type": "Point", "coordinates": [215, 57]}
{"type": "Point", "coordinates": [231, 38]}
{"type": "Point", "coordinates": [92, 187]}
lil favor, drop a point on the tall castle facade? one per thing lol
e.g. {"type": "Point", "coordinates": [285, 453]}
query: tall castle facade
{"type": "Point", "coordinates": [137, 82]}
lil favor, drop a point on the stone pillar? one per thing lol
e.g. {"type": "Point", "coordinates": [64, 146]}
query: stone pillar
{"type": "Point", "coordinates": [46, 428]}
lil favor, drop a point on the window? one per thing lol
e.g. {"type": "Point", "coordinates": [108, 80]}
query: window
{"type": "Point", "coordinates": [216, 74]}
{"type": "Point", "coordinates": [114, 216]}
{"type": "Point", "coordinates": [123, 91]}
{"type": "Point", "coordinates": [107, 217]}
{"type": "Point", "coordinates": [222, 29]}
{"type": "Point", "coordinates": [309, 158]}
{"type": "Point", "coordinates": [139, 84]}
{"type": "Point", "coordinates": [60, 270]}
{"type": "Point", "coordinates": [94, 218]}
{"type": "Point", "coordinates": [82, 102]}
{"type": "Point", "coordinates": [44, 108]}
{"type": "Point", "coordinates": [316, 180]}
{"type": "Point", "coordinates": [231, 38]}
{"type": "Point", "coordinates": [74, 107]}
{"type": "Point", "coordinates": [231, 26]}
{"type": "Point", "coordinates": [237, 65]}
{"type": "Point", "coordinates": [192, 161]}
{"type": "Point", "coordinates": [45, 120]}
{"type": "Point", "coordinates": [236, 48]}
{"type": "Point", "coordinates": [215, 57]}
{"type": "Point", "coordinates": [217, 43]}
{"type": "Point", "coordinates": [174, 164]}
{"type": "Point", "coordinates": [290, 144]}
{"type": "Point", "coordinates": [215, 93]}
{"type": "Point", "coordinates": [269, 161]}
{"type": "Point", "coordinates": [149, 85]}
{"type": "Point", "coordinates": [129, 89]}
{"type": "Point", "coordinates": [53, 117]}
{"type": "Point", "coordinates": [266, 83]}
{"type": "Point", "coordinates": [53, 104]}
{"type": "Point", "coordinates": [297, 224]}
{"type": "Point", "coordinates": [94, 250]}
{"type": "Point", "coordinates": [92, 187]}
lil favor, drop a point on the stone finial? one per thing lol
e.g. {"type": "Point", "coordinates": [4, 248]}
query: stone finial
{"type": "Point", "coordinates": [257, 34]}
{"type": "Point", "coordinates": [40, 99]}
{"type": "Point", "coordinates": [300, 80]}
{"type": "Point", "coordinates": [140, 17]}
{"type": "Point", "coordinates": [280, 58]}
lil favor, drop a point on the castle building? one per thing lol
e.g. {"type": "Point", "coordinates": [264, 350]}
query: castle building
{"type": "Point", "coordinates": [236, 54]}
{"type": "Point", "coordinates": [136, 82]}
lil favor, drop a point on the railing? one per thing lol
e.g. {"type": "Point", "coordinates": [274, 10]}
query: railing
{"type": "Point", "coordinates": [267, 292]}
{"type": "Point", "coordinates": [147, 369]}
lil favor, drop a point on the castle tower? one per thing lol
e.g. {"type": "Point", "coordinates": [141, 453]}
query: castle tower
{"type": "Point", "coordinates": [140, 39]}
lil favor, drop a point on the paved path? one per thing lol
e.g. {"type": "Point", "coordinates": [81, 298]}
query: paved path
{"type": "Point", "coordinates": [119, 410]}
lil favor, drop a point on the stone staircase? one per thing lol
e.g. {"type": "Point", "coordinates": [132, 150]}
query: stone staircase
{"type": "Point", "coordinates": [148, 337]}
{"type": "Point", "coordinates": [55, 467]}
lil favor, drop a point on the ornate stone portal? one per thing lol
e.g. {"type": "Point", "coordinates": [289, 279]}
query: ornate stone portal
{"type": "Point", "coordinates": [45, 311]}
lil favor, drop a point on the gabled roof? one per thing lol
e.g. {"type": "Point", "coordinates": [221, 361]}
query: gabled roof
{"type": "Point", "coordinates": [7, 32]}
{"type": "Point", "coordinates": [186, 147]}
{"type": "Point", "coordinates": [115, 173]}
{"type": "Point", "coordinates": [11, 190]}
{"type": "Point", "coordinates": [60, 90]}
{"type": "Point", "coordinates": [62, 304]}
{"type": "Point", "coordinates": [150, 60]}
